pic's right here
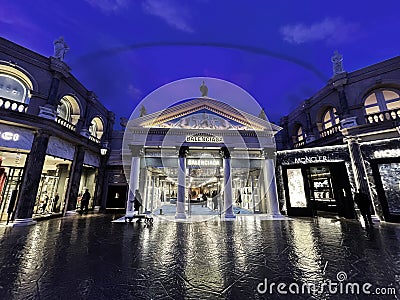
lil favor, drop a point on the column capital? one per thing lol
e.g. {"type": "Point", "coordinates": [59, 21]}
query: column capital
{"type": "Point", "coordinates": [183, 151]}
{"type": "Point", "coordinates": [136, 150]}
{"type": "Point", "coordinates": [268, 153]}
{"type": "Point", "coordinates": [43, 132]}
{"type": "Point", "coordinates": [60, 68]}
{"type": "Point", "coordinates": [352, 139]}
{"type": "Point", "coordinates": [225, 152]}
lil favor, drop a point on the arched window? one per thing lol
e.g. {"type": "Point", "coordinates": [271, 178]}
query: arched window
{"type": "Point", "coordinates": [93, 128]}
{"type": "Point", "coordinates": [381, 100]}
{"type": "Point", "coordinates": [64, 110]}
{"type": "Point", "coordinates": [68, 110]}
{"type": "Point", "coordinates": [300, 134]}
{"type": "Point", "coordinates": [96, 128]}
{"type": "Point", "coordinates": [330, 118]}
{"type": "Point", "coordinates": [12, 89]}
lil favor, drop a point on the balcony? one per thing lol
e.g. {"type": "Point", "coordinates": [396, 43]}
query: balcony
{"type": "Point", "coordinates": [299, 144]}
{"type": "Point", "coordinates": [13, 105]}
{"type": "Point", "coordinates": [94, 139]}
{"type": "Point", "coordinates": [329, 131]}
{"type": "Point", "coordinates": [65, 123]}
{"type": "Point", "coordinates": [383, 116]}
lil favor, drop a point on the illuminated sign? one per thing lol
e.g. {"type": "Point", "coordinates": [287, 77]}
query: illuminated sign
{"type": "Point", "coordinates": [387, 153]}
{"type": "Point", "coordinates": [310, 159]}
{"type": "Point", "coordinates": [9, 136]}
{"type": "Point", "coordinates": [204, 139]}
{"type": "Point", "coordinates": [203, 162]}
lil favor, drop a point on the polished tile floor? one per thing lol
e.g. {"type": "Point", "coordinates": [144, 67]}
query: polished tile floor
{"type": "Point", "coordinates": [88, 257]}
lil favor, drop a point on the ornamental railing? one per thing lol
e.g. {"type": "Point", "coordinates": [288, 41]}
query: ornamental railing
{"type": "Point", "coordinates": [94, 139]}
{"type": "Point", "coordinates": [65, 123]}
{"type": "Point", "coordinates": [13, 105]}
{"type": "Point", "coordinates": [299, 144]}
{"type": "Point", "coordinates": [329, 131]}
{"type": "Point", "coordinates": [383, 116]}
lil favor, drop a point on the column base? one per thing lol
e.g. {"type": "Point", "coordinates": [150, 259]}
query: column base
{"type": "Point", "coordinates": [277, 216]}
{"type": "Point", "coordinates": [71, 213]}
{"type": "Point", "coordinates": [348, 122]}
{"type": "Point", "coordinates": [85, 133]}
{"type": "Point", "coordinates": [375, 219]}
{"type": "Point", "coordinates": [22, 222]}
{"type": "Point", "coordinates": [47, 112]}
{"type": "Point", "coordinates": [180, 216]}
{"type": "Point", "coordinates": [230, 216]}
{"type": "Point", "coordinates": [310, 138]}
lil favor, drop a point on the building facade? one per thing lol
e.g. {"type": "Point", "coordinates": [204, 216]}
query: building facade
{"type": "Point", "coordinates": [201, 150]}
{"type": "Point", "coordinates": [51, 132]}
{"type": "Point", "coordinates": [344, 138]}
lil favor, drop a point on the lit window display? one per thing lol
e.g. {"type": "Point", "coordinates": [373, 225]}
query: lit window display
{"type": "Point", "coordinates": [51, 195]}
{"type": "Point", "coordinates": [390, 174]}
{"type": "Point", "coordinates": [88, 181]}
{"type": "Point", "coordinates": [11, 172]}
{"type": "Point", "coordinates": [297, 194]}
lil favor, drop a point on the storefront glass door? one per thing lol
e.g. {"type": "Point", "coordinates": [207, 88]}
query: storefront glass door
{"type": "Point", "coordinates": [390, 177]}
{"type": "Point", "coordinates": [10, 180]}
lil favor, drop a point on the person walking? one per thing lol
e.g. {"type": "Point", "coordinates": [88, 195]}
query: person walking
{"type": "Point", "coordinates": [364, 204]}
{"type": "Point", "coordinates": [85, 202]}
{"type": "Point", "coordinates": [137, 202]}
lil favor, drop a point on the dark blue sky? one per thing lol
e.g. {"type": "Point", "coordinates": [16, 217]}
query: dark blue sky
{"type": "Point", "coordinates": [280, 53]}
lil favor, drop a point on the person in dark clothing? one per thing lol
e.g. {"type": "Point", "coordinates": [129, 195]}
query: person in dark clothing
{"type": "Point", "coordinates": [44, 205]}
{"type": "Point", "coordinates": [364, 204]}
{"type": "Point", "coordinates": [137, 202]}
{"type": "Point", "coordinates": [215, 200]}
{"type": "Point", "coordinates": [204, 198]}
{"type": "Point", "coordinates": [56, 204]}
{"type": "Point", "coordinates": [85, 202]}
{"type": "Point", "coordinates": [239, 199]}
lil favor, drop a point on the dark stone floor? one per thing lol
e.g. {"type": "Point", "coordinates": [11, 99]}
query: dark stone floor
{"type": "Point", "coordinates": [88, 257]}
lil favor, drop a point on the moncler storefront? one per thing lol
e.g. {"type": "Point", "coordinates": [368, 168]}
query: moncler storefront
{"type": "Point", "coordinates": [201, 156]}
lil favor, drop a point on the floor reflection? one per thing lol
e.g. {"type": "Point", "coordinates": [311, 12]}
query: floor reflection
{"type": "Point", "coordinates": [88, 257]}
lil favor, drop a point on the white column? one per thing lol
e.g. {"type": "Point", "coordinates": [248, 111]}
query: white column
{"type": "Point", "coordinates": [146, 191]}
{"type": "Point", "coordinates": [180, 202]}
{"type": "Point", "coordinates": [133, 183]}
{"type": "Point", "coordinates": [153, 193]}
{"type": "Point", "coordinates": [270, 187]}
{"type": "Point", "coordinates": [253, 196]}
{"type": "Point", "coordinates": [228, 188]}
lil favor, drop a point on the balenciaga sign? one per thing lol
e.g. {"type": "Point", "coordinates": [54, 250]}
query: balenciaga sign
{"type": "Point", "coordinates": [204, 139]}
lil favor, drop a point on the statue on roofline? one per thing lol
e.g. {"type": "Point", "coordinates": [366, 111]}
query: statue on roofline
{"type": "Point", "coordinates": [60, 48]}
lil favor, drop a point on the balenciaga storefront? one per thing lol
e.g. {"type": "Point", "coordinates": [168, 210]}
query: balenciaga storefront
{"type": "Point", "coordinates": [201, 156]}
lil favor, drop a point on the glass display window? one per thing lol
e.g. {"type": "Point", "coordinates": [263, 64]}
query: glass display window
{"type": "Point", "coordinates": [297, 194]}
{"type": "Point", "coordinates": [390, 175]}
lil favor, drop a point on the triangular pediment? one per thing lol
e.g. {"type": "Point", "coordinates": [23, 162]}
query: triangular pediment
{"type": "Point", "coordinates": [203, 113]}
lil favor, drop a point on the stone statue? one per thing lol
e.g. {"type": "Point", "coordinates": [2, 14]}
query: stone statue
{"type": "Point", "coordinates": [60, 48]}
{"type": "Point", "coordinates": [337, 62]}
{"type": "Point", "coordinates": [143, 111]}
{"type": "Point", "coordinates": [204, 90]}
{"type": "Point", "coordinates": [262, 114]}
